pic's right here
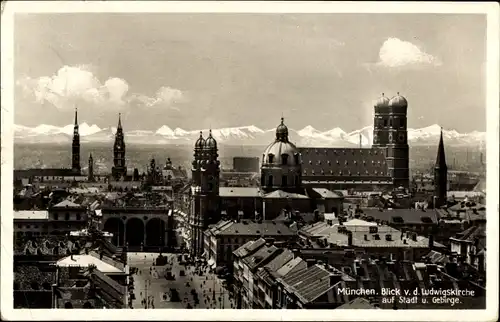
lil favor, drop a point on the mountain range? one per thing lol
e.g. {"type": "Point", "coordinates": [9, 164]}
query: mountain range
{"type": "Point", "coordinates": [243, 135]}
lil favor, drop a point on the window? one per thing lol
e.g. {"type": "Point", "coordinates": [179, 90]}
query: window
{"type": "Point", "coordinates": [28, 226]}
{"type": "Point", "coordinates": [385, 123]}
{"type": "Point", "coordinates": [270, 158]}
{"type": "Point", "coordinates": [19, 226]}
{"type": "Point", "coordinates": [390, 122]}
{"type": "Point", "coordinates": [296, 157]}
{"type": "Point", "coordinates": [270, 181]}
{"type": "Point", "coordinates": [297, 183]}
{"type": "Point", "coordinates": [78, 217]}
{"type": "Point", "coordinates": [284, 159]}
{"type": "Point", "coordinates": [284, 181]}
{"type": "Point", "coordinates": [56, 216]}
{"type": "Point", "coordinates": [66, 217]}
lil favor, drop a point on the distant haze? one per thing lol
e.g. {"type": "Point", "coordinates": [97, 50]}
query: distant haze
{"type": "Point", "coordinates": [196, 71]}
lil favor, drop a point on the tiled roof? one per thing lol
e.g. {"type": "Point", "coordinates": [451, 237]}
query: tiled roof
{"type": "Point", "coordinates": [358, 303]}
{"type": "Point", "coordinates": [31, 215]}
{"type": "Point", "coordinates": [260, 256]}
{"type": "Point", "coordinates": [324, 193]}
{"type": "Point", "coordinates": [435, 257]}
{"type": "Point", "coordinates": [471, 233]}
{"type": "Point", "coordinates": [295, 264]}
{"type": "Point", "coordinates": [249, 247]}
{"type": "Point", "coordinates": [308, 284]}
{"type": "Point", "coordinates": [282, 194]}
{"type": "Point", "coordinates": [280, 260]}
{"type": "Point", "coordinates": [266, 228]}
{"type": "Point", "coordinates": [240, 192]}
{"type": "Point", "coordinates": [67, 204]}
{"type": "Point", "coordinates": [331, 164]}
{"type": "Point", "coordinates": [409, 216]}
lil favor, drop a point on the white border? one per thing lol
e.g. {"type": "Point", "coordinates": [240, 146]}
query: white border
{"type": "Point", "coordinates": [490, 9]}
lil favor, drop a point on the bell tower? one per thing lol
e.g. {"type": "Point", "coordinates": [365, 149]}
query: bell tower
{"type": "Point", "coordinates": [390, 132]}
{"type": "Point", "coordinates": [75, 147]}
{"type": "Point", "coordinates": [119, 169]}
{"type": "Point", "coordinates": [91, 169]}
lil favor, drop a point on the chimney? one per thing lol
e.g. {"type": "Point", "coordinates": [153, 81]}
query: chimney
{"type": "Point", "coordinates": [414, 237]}
{"type": "Point", "coordinates": [431, 241]}
{"type": "Point", "coordinates": [349, 238]}
{"type": "Point", "coordinates": [310, 262]}
{"type": "Point", "coordinates": [269, 241]}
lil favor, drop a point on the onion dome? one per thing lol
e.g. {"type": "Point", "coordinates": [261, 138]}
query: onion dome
{"type": "Point", "coordinates": [210, 143]}
{"type": "Point", "coordinates": [382, 101]}
{"type": "Point", "coordinates": [398, 101]}
{"type": "Point", "coordinates": [282, 132]}
{"type": "Point", "coordinates": [200, 143]}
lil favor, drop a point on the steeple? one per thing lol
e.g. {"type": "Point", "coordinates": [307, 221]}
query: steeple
{"type": "Point", "coordinates": [441, 158]}
{"type": "Point", "coordinates": [75, 147]}
{"type": "Point", "coordinates": [440, 175]}
{"type": "Point", "coordinates": [119, 169]}
{"type": "Point", "coordinates": [91, 168]}
{"type": "Point", "coordinates": [282, 131]}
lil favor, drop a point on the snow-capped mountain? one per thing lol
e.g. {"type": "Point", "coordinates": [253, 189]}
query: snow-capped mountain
{"type": "Point", "coordinates": [243, 135]}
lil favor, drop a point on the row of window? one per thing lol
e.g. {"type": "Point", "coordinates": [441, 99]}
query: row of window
{"type": "Point", "coordinates": [67, 216]}
{"type": "Point", "coordinates": [44, 226]}
{"type": "Point", "coordinates": [284, 158]}
{"type": "Point", "coordinates": [341, 173]}
{"type": "Point", "coordinates": [284, 181]}
{"type": "Point", "coordinates": [346, 162]}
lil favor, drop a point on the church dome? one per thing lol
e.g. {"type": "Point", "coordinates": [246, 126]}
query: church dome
{"type": "Point", "coordinates": [281, 153]}
{"type": "Point", "coordinates": [210, 142]}
{"type": "Point", "coordinates": [398, 101]}
{"type": "Point", "coordinates": [382, 101]}
{"type": "Point", "coordinates": [200, 143]}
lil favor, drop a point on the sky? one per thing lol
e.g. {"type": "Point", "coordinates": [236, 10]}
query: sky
{"type": "Point", "coordinates": [197, 71]}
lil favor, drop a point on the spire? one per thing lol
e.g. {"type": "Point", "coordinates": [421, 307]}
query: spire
{"type": "Point", "coordinates": [441, 158]}
{"type": "Point", "coordinates": [119, 120]}
{"type": "Point", "coordinates": [90, 157]}
{"type": "Point", "coordinates": [76, 116]}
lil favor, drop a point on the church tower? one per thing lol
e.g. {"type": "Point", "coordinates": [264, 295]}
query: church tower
{"type": "Point", "coordinates": [91, 169]}
{"type": "Point", "coordinates": [119, 169]}
{"type": "Point", "coordinates": [440, 175]}
{"type": "Point", "coordinates": [390, 132]}
{"type": "Point", "coordinates": [205, 190]}
{"type": "Point", "coordinates": [75, 147]}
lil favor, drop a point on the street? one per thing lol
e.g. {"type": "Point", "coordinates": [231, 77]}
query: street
{"type": "Point", "coordinates": [152, 289]}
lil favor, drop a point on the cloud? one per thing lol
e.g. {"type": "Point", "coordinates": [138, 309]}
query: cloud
{"type": "Point", "coordinates": [398, 53]}
{"type": "Point", "coordinates": [73, 84]}
{"type": "Point", "coordinates": [165, 97]}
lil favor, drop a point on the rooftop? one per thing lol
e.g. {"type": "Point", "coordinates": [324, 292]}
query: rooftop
{"type": "Point", "coordinates": [279, 194]}
{"type": "Point", "coordinates": [358, 303]}
{"type": "Point", "coordinates": [401, 216]}
{"type": "Point", "coordinates": [240, 192]}
{"type": "Point", "coordinates": [31, 215]}
{"type": "Point", "coordinates": [248, 227]}
{"type": "Point", "coordinates": [66, 204]}
{"type": "Point", "coordinates": [343, 164]}
{"type": "Point", "coordinates": [86, 261]}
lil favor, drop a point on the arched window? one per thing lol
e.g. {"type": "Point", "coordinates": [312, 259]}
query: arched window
{"type": "Point", "coordinates": [385, 122]}
{"type": "Point", "coordinates": [390, 122]}
{"type": "Point", "coordinates": [284, 159]}
{"type": "Point", "coordinates": [270, 158]}
{"type": "Point", "coordinates": [262, 180]}
{"type": "Point", "coordinates": [270, 181]}
{"type": "Point", "coordinates": [87, 305]}
{"type": "Point", "coordinates": [296, 157]}
{"type": "Point", "coordinates": [284, 180]}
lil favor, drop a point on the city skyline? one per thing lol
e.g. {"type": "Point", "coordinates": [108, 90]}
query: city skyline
{"type": "Point", "coordinates": [217, 71]}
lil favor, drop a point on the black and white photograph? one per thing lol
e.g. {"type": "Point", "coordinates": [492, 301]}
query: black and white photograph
{"type": "Point", "coordinates": [214, 158]}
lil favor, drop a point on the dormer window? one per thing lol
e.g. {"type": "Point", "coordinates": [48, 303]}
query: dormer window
{"type": "Point", "coordinates": [270, 158]}
{"type": "Point", "coordinates": [296, 157]}
{"type": "Point", "coordinates": [284, 159]}
{"type": "Point", "coordinates": [338, 162]}
{"type": "Point", "coordinates": [345, 162]}
{"type": "Point", "coordinates": [310, 162]}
